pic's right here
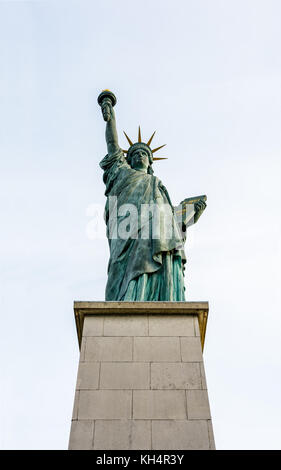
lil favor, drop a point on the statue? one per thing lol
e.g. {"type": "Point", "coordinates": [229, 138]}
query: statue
{"type": "Point", "coordinates": [147, 261]}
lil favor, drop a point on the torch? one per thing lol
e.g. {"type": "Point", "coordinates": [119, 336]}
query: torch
{"type": "Point", "coordinates": [103, 98]}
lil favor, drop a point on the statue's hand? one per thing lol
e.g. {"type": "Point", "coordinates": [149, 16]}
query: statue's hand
{"type": "Point", "coordinates": [107, 109]}
{"type": "Point", "coordinates": [200, 206]}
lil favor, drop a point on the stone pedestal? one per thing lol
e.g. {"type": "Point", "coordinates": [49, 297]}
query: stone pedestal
{"type": "Point", "coordinates": [141, 382]}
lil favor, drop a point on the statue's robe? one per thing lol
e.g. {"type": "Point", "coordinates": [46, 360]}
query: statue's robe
{"type": "Point", "coordinates": [141, 268]}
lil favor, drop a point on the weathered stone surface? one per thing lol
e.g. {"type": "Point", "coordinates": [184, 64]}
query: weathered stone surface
{"type": "Point", "coordinates": [93, 325]}
{"type": "Point", "coordinates": [175, 376]}
{"type": "Point", "coordinates": [81, 435]}
{"type": "Point", "coordinates": [203, 376]}
{"type": "Point", "coordinates": [124, 375]}
{"type": "Point", "coordinates": [196, 326]}
{"type": "Point", "coordinates": [198, 404]}
{"type": "Point", "coordinates": [191, 349]}
{"type": "Point", "coordinates": [126, 325]}
{"type": "Point", "coordinates": [181, 435]}
{"type": "Point", "coordinates": [156, 349]}
{"type": "Point", "coordinates": [159, 404]}
{"type": "Point", "coordinates": [109, 349]}
{"type": "Point", "coordinates": [75, 406]}
{"type": "Point", "coordinates": [141, 381]}
{"type": "Point", "coordinates": [197, 309]}
{"type": "Point", "coordinates": [211, 435]}
{"type": "Point", "coordinates": [122, 434]}
{"type": "Point", "coordinates": [105, 404]}
{"type": "Point", "coordinates": [171, 325]}
{"type": "Point", "coordinates": [88, 375]}
{"type": "Point", "coordinates": [82, 350]}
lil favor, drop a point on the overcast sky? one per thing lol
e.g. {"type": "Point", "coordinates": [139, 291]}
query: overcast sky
{"type": "Point", "coordinates": [205, 74]}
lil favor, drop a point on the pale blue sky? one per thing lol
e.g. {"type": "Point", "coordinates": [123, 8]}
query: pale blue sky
{"type": "Point", "coordinates": [206, 75]}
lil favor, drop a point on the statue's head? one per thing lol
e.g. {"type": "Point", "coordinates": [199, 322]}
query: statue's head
{"type": "Point", "coordinates": [140, 156]}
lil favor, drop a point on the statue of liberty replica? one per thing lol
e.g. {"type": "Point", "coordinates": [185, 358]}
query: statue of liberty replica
{"type": "Point", "coordinates": [146, 233]}
{"type": "Point", "coordinates": [140, 381]}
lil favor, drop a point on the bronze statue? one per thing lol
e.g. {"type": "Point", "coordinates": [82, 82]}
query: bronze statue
{"type": "Point", "coordinates": [146, 233]}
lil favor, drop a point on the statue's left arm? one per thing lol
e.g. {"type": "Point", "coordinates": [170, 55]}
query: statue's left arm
{"type": "Point", "coordinates": [188, 211]}
{"type": "Point", "coordinates": [199, 207]}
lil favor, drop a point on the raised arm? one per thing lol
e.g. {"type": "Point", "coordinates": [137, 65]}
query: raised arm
{"type": "Point", "coordinates": [111, 136]}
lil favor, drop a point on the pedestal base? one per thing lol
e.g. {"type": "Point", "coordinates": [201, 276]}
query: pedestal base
{"type": "Point", "coordinates": [141, 382]}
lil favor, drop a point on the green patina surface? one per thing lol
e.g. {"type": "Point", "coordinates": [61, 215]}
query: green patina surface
{"type": "Point", "coordinates": [139, 269]}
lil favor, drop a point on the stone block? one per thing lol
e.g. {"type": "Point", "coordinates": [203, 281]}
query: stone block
{"type": "Point", "coordinates": [171, 325]}
{"type": "Point", "coordinates": [180, 435]}
{"type": "Point", "coordinates": [159, 404]}
{"type": "Point", "coordinates": [196, 326]}
{"type": "Point", "coordinates": [126, 325]}
{"type": "Point", "coordinates": [93, 325]}
{"type": "Point", "coordinates": [211, 435]}
{"type": "Point", "coordinates": [75, 406]}
{"type": "Point", "coordinates": [122, 434]}
{"type": "Point", "coordinates": [176, 376]}
{"type": "Point", "coordinates": [124, 375]}
{"type": "Point", "coordinates": [88, 375]}
{"type": "Point", "coordinates": [82, 350]}
{"type": "Point", "coordinates": [109, 349]}
{"type": "Point", "coordinates": [156, 349]}
{"type": "Point", "coordinates": [191, 350]}
{"type": "Point", "coordinates": [81, 435]}
{"type": "Point", "coordinates": [203, 376]}
{"type": "Point", "coordinates": [105, 404]}
{"type": "Point", "coordinates": [198, 404]}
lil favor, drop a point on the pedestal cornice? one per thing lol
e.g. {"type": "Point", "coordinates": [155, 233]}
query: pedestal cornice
{"type": "Point", "coordinates": [83, 308]}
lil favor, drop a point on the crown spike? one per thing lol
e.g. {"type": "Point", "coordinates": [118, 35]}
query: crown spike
{"type": "Point", "coordinates": [160, 158]}
{"type": "Point", "coordinates": [139, 139]}
{"type": "Point", "coordinates": [128, 139]}
{"type": "Point", "coordinates": [150, 140]}
{"type": "Point", "coordinates": [158, 148]}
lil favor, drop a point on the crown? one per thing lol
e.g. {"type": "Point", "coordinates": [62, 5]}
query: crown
{"type": "Point", "coordinates": [139, 143]}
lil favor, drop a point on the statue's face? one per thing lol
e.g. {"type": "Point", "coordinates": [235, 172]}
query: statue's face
{"type": "Point", "coordinates": [140, 160]}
